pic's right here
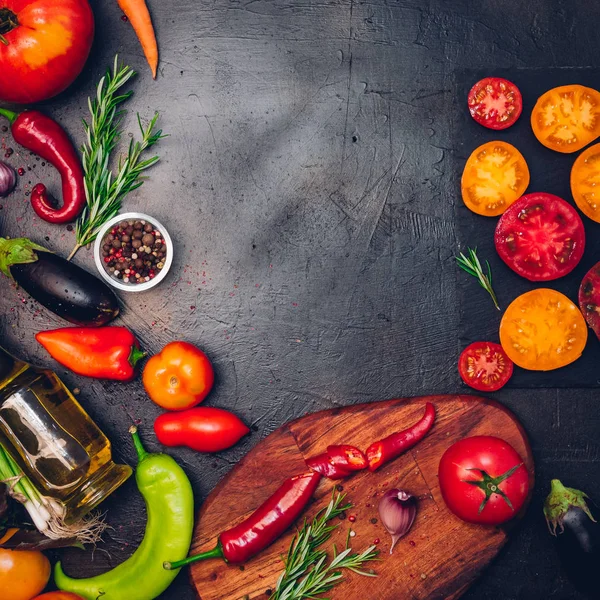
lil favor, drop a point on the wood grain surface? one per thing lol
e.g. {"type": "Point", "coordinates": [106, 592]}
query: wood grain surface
{"type": "Point", "coordinates": [439, 557]}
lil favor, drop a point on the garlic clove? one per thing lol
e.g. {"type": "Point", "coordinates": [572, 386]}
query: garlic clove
{"type": "Point", "coordinates": [8, 179]}
{"type": "Point", "coordinates": [397, 512]}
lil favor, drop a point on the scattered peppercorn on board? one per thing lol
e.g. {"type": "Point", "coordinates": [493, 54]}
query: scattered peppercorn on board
{"type": "Point", "coordinates": [549, 172]}
{"type": "Point", "coordinates": [441, 555]}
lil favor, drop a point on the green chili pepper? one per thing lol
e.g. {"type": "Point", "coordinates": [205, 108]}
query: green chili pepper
{"type": "Point", "coordinates": [170, 505]}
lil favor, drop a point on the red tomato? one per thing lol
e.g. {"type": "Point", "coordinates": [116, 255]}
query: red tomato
{"type": "Point", "coordinates": [495, 103]}
{"type": "Point", "coordinates": [484, 366]}
{"type": "Point", "coordinates": [540, 237]}
{"type": "Point", "coordinates": [43, 48]}
{"type": "Point", "coordinates": [589, 298]}
{"type": "Point", "coordinates": [203, 429]}
{"type": "Point", "coordinates": [483, 480]}
{"type": "Point", "coordinates": [179, 377]}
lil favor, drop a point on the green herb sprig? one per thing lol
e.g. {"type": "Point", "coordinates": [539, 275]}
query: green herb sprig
{"type": "Point", "coordinates": [472, 266]}
{"type": "Point", "coordinates": [308, 572]}
{"type": "Point", "coordinates": [105, 191]}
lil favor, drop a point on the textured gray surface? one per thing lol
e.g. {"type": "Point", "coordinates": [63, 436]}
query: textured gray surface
{"type": "Point", "coordinates": [307, 185]}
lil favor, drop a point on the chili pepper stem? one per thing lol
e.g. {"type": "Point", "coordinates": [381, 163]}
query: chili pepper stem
{"type": "Point", "coordinates": [214, 553]}
{"type": "Point", "coordinates": [136, 355]}
{"type": "Point", "coordinates": [75, 250]}
{"type": "Point", "coordinates": [137, 442]}
{"type": "Point", "coordinates": [9, 114]}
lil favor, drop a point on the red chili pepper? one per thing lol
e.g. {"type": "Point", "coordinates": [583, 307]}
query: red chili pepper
{"type": "Point", "coordinates": [267, 523]}
{"type": "Point", "coordinates": [382, 452]}
{"type": "Point", "coordinates": [338, 462]}
{"type": "Point", "coordinates": [101, 352]}
{"type": "Point", "coordinates": [46, 138]}
{"type": "Point", "coordinates": [323, 465]}
{"type": "Point", "coordinates": [348, 457]}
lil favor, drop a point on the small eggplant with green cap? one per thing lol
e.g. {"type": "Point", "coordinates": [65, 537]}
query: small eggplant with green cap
{"type": "Point", "coordinates": [577, 533]}
{"type": "Point", "coordinates": [61, 286]}
{"type": "Point", "coordinates": [170, 508]}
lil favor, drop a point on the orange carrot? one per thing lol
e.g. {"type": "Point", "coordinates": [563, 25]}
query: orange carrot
{"type": "Point", "coordinates": [137, 13]}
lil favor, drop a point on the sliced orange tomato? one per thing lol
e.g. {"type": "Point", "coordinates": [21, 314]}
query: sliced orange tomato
{"type": "Point", "coordinates": [496, 174]}
{"type": "Point", "coordinates": [567, 118]}
{"type": "Point", "coordinates": [585, 182]}
{"type": "Point", "coordinates": [543, 330]}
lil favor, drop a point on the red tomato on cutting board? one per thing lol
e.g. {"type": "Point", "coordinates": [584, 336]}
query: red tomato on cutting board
{"type": "Point", "coordinates": [483, 480]}
{"type": "Point", "coordinates": [44, 47]}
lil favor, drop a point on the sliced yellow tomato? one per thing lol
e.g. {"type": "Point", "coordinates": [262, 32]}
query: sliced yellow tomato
{"type": "Point", "coordinates": [585, 182]}
{"type": "Point", "coordinates": [496, 174]}
{"type": "Point", "coordinates": [543, 330]}
{"type": "Point", "coordinates": [567, 118]}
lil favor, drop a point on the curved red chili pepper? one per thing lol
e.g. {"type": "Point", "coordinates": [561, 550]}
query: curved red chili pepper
{"type": "Point", "coordinates": [267, 523]}
{"type": "Point", "coordinates": [382, 452]}
{"type": "Point", "coordinates": [46, 138]}
{"type": "Point", "coordinates": [323, 465]}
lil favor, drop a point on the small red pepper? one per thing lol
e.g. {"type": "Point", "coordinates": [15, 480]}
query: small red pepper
{"type": "Point", "coordinates": [46, 138]}
{"type": "Point", "coordinates": [100, 352]}
{"type": "Point", "coordinates": [338, 462]}
{"type": "Point", "coordinates": [382, 452]}
{"type": "Point", "coordinates": [265, 525]}
{"type": "Point", "coordinates": [322, 464]}
{"type": "Point", "coordinates": [348, 457]}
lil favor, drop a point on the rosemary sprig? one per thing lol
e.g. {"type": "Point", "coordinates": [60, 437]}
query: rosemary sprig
{"type": "Point", "coordinates": [308, 572]}
{"type": "Point", "coordinates": [473, 267]}
{"type": "Point", "coordinates": [105, 191]}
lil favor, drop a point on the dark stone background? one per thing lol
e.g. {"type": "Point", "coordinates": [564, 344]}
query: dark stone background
{"type": "Point", "coordinates": [309, 186]}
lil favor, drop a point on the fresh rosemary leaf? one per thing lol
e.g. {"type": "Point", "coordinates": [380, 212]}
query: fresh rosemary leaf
{"type": "Point", "coordinates": [471, 265]}
{"type": "Point", "coordinates": [104, 190]}
{"type": "Point", "coordinates": [308, 571]}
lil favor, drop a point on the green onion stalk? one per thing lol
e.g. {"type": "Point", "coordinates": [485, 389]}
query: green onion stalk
{"type": "Point", "coordinates": [47, 513]}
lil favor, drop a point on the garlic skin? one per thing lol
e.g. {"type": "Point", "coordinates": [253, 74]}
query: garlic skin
{"type": "Point", "coordinates": [397, 511]}
{"type": "Point", "coordinates": [8, 179]}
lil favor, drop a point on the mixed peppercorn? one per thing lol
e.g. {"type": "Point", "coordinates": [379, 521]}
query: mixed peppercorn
{"type": "Point", "coordinates": [134, 251]}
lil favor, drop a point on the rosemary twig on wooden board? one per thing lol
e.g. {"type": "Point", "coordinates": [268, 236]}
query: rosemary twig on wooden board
{"type": "Point", "coordinates": [308, 571]}
{"type": "Point", "coordinates": [471, 265]}
{"type": "Point", "coordinates": [105, 191]}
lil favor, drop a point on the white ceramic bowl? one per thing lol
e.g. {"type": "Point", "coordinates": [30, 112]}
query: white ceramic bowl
{"type": "Point", "coordinates": [117, 283]}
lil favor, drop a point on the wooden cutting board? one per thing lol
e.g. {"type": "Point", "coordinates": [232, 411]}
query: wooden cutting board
{"type": "Point", "coordinates": [439, 558]}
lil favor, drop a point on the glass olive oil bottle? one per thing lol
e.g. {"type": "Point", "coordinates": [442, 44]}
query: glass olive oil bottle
{"type": "Point", "coordinates": [54, 441]}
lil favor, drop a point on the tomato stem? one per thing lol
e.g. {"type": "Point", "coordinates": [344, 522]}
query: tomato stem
{"type": "Point", "coordinates": [8, 22]}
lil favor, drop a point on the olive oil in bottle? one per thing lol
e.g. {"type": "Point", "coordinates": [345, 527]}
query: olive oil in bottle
{"type": "Point", "coordinates": [56, 443]}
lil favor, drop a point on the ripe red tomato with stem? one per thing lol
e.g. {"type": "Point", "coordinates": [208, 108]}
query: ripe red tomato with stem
{"type": "Point", "coordinates": [484, 366]}
{"type": "Point", "coordinates": [483, 480]}
{"type": "Point", "coordinates": [43, 47]}
{"type": "Point", "coordinates": [204, 429]}
{"type": "Point", "coordinates": [540, 237]}
{"type": "Point", "coordinates": [495, 103]}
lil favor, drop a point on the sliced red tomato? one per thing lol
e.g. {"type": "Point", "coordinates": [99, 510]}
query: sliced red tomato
{"type": "Point", "coordinates": [567, 118]}
{"type": "Point", "coordinates": [589, 298]}
{"type": "Point", "coordinates": [484, 366]}
{"type": "Point", "coordinates": [540, 237]}
{"type": "Point", "coordinates": [483, 480]}
{"type": "Point", "coordinates": [495, 176]}
{"type": "Point", "coordinates": [495, 103]}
